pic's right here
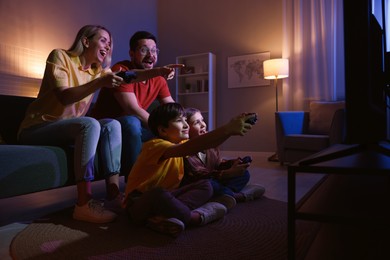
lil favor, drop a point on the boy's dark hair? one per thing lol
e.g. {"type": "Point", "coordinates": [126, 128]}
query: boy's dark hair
{"type": "Point", "coordinates": [161, 115]}
{"type": "Point", "coordinates": [139, 36]}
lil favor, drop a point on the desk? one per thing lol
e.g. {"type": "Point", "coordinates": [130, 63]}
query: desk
{"type": "Point", "coordinates": [343, 160]}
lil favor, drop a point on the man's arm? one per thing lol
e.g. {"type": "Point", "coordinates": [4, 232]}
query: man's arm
{"type": "Point", "coordinates": [167, 72]}
{"type": "Point", "coordinates": [128, 102]}
{"type": "Point", "coordinates": [167, 100]}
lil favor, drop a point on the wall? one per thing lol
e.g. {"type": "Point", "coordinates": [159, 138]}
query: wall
{"type": "Point", "coordinates": [224, 27]}
{"type": "Point", "coordinates": [31, 29]}
{"type": "Point", "coordinates": [227, 28]}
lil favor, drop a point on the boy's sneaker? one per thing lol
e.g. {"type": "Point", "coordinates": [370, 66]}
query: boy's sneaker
{"type": "Point", "coordinates": [228, 201]}
{"type": "Point", "coordinates": [211, 211]}
{"type": "Point", "coordinates": [169, 226]}
{"type": "Point", "coordinates": [93, 212]}
{"type": "Point", "coordinates": [115, 205]}
{"type": "Point", "coordinates": [252, 191]}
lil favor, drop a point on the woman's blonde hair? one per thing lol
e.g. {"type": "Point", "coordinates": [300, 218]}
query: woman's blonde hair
{"type": "Point", "coordinates": [89, 31]}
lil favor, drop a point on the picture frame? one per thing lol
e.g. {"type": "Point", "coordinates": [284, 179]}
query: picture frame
{"type": "Point", "coordinates": [247, 70]}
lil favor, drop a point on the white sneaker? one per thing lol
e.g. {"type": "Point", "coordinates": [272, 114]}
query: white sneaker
{"type": "Point", "coordinates": [228, 201]}
{"type": "Point", "coordinates": [93, 212]}
{"type": "Point", "coordinates": [252, 191]}
{"type": "Point", "coordinates": [170, 226]}
{"type": "Point", "coordinates": [211, 211]}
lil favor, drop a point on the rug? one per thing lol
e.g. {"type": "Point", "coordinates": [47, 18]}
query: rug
{"type": "Point", "coordinates": [251, 230]}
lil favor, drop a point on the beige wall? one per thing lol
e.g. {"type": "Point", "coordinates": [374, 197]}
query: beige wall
{"type": "Point", "coordinates": [224, 27]}
{"type": "Point", "coordinates": [31, 29]}
{"type": "Point", "coordinates": [227, 28]}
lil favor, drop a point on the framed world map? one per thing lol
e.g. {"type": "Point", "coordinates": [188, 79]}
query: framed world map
{"type": "Point", "coordinates": [247, 70]}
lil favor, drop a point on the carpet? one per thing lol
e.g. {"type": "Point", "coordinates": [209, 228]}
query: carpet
{"type": "Point", "coordinates": [251, 230]}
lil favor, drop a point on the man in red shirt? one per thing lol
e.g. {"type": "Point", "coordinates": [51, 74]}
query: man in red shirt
{"type": "Point", "coordinates": [129, 102]}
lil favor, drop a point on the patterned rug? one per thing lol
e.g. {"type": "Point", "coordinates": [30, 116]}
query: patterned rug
{"type": "Point", "coordinates": [251, 230]}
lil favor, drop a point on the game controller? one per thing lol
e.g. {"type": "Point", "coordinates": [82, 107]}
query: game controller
{"type": "Point", "coordinates": [127, 76]}
{"type": "Point", "coordinates": [253, 119]}
{"type": "Point", "coordinates": [246, 159]}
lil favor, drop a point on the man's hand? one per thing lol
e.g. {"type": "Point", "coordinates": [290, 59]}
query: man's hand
{"type": "Point", "coordinates": [168, 71]}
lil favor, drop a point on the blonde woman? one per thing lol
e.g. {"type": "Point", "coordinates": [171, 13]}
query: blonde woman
{"type": "Point", "coordinates": [57, 116]}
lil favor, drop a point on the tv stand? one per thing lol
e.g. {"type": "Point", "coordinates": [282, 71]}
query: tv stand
{"type": "Point", "coordinates": [341, 162]}
{"type": "Point", "coordinates": [342, 150]}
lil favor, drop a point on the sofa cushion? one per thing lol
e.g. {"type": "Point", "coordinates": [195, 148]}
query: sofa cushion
{"type": "Point", "coordinates": [321, 115]}
{"type": "Point", "coordinates": [306, 142]}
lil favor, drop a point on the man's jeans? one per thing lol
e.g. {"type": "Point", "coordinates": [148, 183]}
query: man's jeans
{"type": "Point", "coordinates": [133, 136]}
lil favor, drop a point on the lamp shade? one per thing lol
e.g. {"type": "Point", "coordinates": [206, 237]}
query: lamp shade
{"type": "Point", "coordinates": [275, 68]}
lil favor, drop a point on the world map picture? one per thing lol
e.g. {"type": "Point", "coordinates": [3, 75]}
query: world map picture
{"type": "Point", "coordinates": [247, 70]}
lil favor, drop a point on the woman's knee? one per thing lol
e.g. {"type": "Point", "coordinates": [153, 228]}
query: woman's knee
{"type": "Point", "coordinates": [89, 124]}
{"type": "Point", "coordinates": [111, 126]}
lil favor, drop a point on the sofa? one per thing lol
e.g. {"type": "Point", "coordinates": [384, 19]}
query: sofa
{"type": "Point", "coordinates": [26, 168]}
{"type": "Point", "coordinates": [300, 134]}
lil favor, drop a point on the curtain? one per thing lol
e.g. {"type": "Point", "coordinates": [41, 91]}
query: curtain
{"type": "Point", "coordinates": [313, 42]}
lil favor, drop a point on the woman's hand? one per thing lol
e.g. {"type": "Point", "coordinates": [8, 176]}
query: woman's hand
{"type": "Point", "coordinates": [111, 80]}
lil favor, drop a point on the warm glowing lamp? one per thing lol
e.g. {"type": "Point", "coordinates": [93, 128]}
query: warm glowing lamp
{"type": "Point", "coordinates": [275, 69]}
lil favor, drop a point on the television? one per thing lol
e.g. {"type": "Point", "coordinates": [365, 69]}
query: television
{"type": "Point", "coordinates": [367, 80]}
{"type": "Point", "coordinates": [365, 70]}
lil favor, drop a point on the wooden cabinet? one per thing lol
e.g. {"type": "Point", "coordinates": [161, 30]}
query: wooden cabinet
{"type": "Point", "coordinates": [195, 84]}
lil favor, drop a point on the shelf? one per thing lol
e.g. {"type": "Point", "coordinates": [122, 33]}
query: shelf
{"type": "Point", "coordinates": [202, 74]}
{"type": "Point", "coordinates": [198, 76]}
{"type": "Point", "coordinates": [193, 93]}
{"type": "Point", "coordinates": [348, 199]}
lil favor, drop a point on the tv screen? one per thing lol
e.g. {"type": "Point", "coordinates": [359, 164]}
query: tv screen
{"type": "Point", "coordinates": [365, 84]}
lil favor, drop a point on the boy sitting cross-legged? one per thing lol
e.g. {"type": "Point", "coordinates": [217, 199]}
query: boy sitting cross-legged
{"type": "Point", "coordinates": [153, 195]}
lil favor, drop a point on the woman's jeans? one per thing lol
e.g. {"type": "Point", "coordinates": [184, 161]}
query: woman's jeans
{"type": "Point", "coordinates": [133, 136]}
{"type": "Point", "coordinates": [88, 136]}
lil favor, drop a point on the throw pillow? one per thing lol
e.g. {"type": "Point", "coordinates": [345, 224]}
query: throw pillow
{"type": "Point", "coordinates": [321, 115]}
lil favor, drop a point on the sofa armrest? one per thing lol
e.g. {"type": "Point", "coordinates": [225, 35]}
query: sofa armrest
{"type": "Point", "coordinates": [28, 168]}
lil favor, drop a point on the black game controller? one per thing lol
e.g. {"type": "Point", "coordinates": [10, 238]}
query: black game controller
{"type": "Point", "coordinates": [127, 76]}
{"type": "Point", "coordinates": [253, 119]}
{"type": "Point", "coordinates": [246, 159]}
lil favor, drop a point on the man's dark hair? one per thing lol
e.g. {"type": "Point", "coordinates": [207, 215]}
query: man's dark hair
{"type": "Point", "coordinates": [161, 115]}
{"type": "Point", "coordinates": [139, 36]}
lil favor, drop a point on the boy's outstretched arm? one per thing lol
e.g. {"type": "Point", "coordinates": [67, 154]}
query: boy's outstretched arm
{"type": "Point", "coordinates": [212, 139]}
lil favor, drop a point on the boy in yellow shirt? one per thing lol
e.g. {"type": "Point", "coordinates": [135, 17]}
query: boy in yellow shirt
{"type": "Point", "coordinates": [153, 192]}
